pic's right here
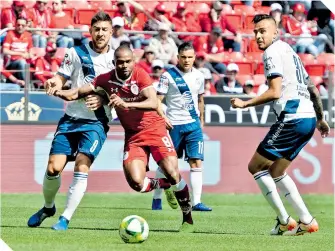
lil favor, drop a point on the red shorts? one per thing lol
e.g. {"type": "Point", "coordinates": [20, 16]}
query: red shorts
{"type": "Point", "coordinates": [155, 140]}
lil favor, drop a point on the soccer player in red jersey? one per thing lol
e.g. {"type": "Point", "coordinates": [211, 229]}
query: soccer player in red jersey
{"type": "Point", "coordinates": [134, 98]}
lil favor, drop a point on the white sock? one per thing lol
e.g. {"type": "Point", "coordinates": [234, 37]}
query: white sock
{"type": "Point", "coordinates": [269, 190]}
{"type": "Point", "coordinates": [158, 192]}
{"type": "Point", "coordinates": [288, 188]}
{"type": "Point", "coordinates": [196, 184]}
{"type": "Point", "coordinates": [179, 186]}
{"type": "Point", "coordinates": [51, 185]}
{"type": "Point", "coordinates": [75, 194]}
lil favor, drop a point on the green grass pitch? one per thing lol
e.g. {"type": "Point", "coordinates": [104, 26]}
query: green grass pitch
{"type": "Point", "coordinates": [238, 222]}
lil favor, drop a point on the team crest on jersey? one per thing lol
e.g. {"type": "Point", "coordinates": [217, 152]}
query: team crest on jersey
{"type": "Point", "coordinates": [187, 97]}
{"type": "Point", "coordinates": [125, 155]}
{"type": "Point", "coordinates": [134, 89]}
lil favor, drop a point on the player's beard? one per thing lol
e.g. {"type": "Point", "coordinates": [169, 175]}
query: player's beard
{"type": "Point", "coordinates": [99, 47]}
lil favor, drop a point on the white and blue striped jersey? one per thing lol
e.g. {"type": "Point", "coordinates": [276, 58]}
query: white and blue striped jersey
{"type": "Point", "coordinates": [81, 65]}
{"type": "Point", "coordinates": [181, 96]}
{"type": "Point", "coordinates": [294, 102]}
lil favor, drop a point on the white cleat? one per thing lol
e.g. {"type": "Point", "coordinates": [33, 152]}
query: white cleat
{"type": "Point", "coordinates": [303, 228]}
{"type": "Point", "coordinates": [280, 229]}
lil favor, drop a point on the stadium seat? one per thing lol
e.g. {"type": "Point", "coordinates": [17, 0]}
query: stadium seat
{"type": "Point", "coordinates": [71, 12]}
{"type": "Point", "coordinates": [315, 69]}
{"type": "Point", "coordinates": [236, 20]}
{"type": "Point", "coordinates": [29, 3]}
{"type": "Point", "coordinates": [85, 16]}
{"type": "Point", "coordinates": [81, 4]}
{"type": "Point", "coordinates": [198, 8]}
{"type": "Point", "coordinates": [248, 22]}
{"type": "Point", "coordinates": [226, 9]}
{"type": "Point", "coordinates": [326, 58]}
{"type": "Point", "coordinates": [234, 56]}
{"type": "Point", "coordinates": [102, 5]}
{"type": "Point", "coordinates": [259, 79]}
{"type": "Point", "coordinates": [307, 58]}
{"type": "Point", "coordinates": [148, 5]}
{"type": "Point", "coordinates": [245, 67]}
{"type": "Point", "coordinates": [243, 78]}
{"type": "Point", "coordinates": [253, 47]}
{"type": "Point", "coordinates": [259, 68]}
{"type": "Point", "coordinates": [244, 9]}
{"type": "Point", "coordinates": [316, 80]}
{"type": "Point", "coordinates": [171, 6]}
{"type": "Point", "coordinates": [60, 53]}
{"type": "Point", "coordinates": [254, 56]}
{"type": "Point", "coordinates": [263, 9]}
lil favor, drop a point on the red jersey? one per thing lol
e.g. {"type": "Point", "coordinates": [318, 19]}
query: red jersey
{"type": "Point", "coordinates": [130, 91]}
{"type": "Point", "coordinates": [203, 44]}
{"type": "Point", "coordinates": [18, 42]}
{"type": "Point", "coordinates": [9, 16]}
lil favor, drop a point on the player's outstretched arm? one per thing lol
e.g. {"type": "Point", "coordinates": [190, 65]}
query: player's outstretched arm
{"type": "Point", "coordinates": [74, 94]}
{"type": "Point", "coordinates": [54, 84]}
{"type": "Point", "coordinates": [322, 125]}
{"type": "Point", "coordinates": [271, 94]}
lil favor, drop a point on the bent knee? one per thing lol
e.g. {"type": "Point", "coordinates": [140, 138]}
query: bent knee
{"type": "Point", "coordinates": [136, 185]}
{"type": "Point", "coordinates": [54, 167]}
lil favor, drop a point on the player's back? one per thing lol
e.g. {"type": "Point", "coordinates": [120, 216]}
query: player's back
{"type": "Point", "coordinates": [81, 65]}
{"type": "Point", "coordinates": [132, 120]}
{"type": "Point", "coordinates": [294, 102]}
{"type": "Point", "coordinates": [181, 98]}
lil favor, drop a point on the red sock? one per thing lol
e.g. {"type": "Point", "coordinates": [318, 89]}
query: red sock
{"type": "Point", "coordinates": [183, 198]}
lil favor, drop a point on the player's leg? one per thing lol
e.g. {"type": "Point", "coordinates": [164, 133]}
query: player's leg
{"type": "Point", "coordinates": [194, 153]}
{"type": "Point", "coordinates": [258, 167]}
{"type": "Point", "coordinates": [63, 146]}
{"type": "Point", "coordinates": [177, 138]}
{"type": "Point", "coordinates": [89, 146]}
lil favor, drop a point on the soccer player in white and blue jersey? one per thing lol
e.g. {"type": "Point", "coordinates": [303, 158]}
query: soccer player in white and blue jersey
{"type": "Point", "coordinates": [83, 129]}
{"type": "Point", "coordinates": [183, 89]}
{"type": "Point", "coordinates": [296, 102]}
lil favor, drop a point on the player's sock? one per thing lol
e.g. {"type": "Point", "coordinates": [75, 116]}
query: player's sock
{"type": "Point", "coordinates": [51, 186]}
{"type": "Point", "coordinates": [158, 191]}
{"type": "Point", "coordinates": [288, 188]}
{"type": "Point", "coordinates": [150, 184]}
{"type": "Point", "coordinates": [183, 197]}
{"type": "Point", "coordinates": [75, 194]}
{"type": "Point", "coordinates": [269, 190]}
{"type": "Point", "coordinates": [196, 184]}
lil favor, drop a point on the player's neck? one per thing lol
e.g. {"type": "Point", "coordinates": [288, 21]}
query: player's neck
{"type": "Point", "coordinates": [183, 70]}
{"type": "Point", "coordinates": [122, 79]}
{"type": "Point", "coordinates": [104, 50]}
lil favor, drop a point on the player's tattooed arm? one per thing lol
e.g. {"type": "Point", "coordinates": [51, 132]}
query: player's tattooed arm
{"type": "Point", "coordinates": [74, 94]}
{"type": "Point", "coordinates": [315, 98]}
{"type": "Point", "coordinates": [201, 105]}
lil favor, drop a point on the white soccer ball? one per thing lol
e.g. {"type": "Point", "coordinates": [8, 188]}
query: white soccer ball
{"type": "Point", "coordinates": [134, 229]}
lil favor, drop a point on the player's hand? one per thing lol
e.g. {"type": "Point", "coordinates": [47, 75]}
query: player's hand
{"type": "Point", "coordinates": [21, 82]}
{"type": "Point", "coordinates": [168, 124]}
{"type": "Point", "coordinates": [93, 102]}
{"type": "Point", "coordinates": [237, 103]}
{"type": "Point", "coordinates": [50, 86]}
{"type": "Point", "coordinates": [116, 101]}
{"type": "Point", "coordinates": [323, 128]}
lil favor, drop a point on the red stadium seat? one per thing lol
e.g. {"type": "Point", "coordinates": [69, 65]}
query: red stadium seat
{"type": "Point", "coordinates": [110, 12]}
{"type": "Point", "coordinates": [254, 56]}
{"type": "Point", "coordinates": [263, 9]}
{"type": "Point", "coordinates": [259, 79]}
{"type": "Point", "coordinates": [244, 9]}
{"type": "Point", "coordinates": [38, 52]}
{"type": "Point", "coordinates": [226, 9]}
{"type": "Point", "coordinates": [307, 58]}
{"type": "Point", "coordinates": [85, 16]}
{"type": "Point", "coordinates": [60, 53]}
{"type": "Point", "coordinates": [29, 4]}
{"type": "Point", "coordinates": [234, 56]}
{"type": "Point", "coordinates": [236, 20]}
{"type": "Point", "coordinates": [70, 11]}
{"type": "Point", "coordinates": [316, 80]}
{"type": "Point", "coordinates": [102, 5]}
{"type": "Point", "coordinates": [148, 5]}
{"type": "Point", "coordinates": [326, 58]}
{"type": "Point", "coordinates": [171, 6]}
{"type": "Point", "coordinates": [81, 4]}
{"type": "Point", "coordinates": [243, 78]}
{"type": "Point", "coordinates": [248, 22]}
{"type": "Point", "coordinates": [259, 68]}
{"type": "Point", "coordinates": [198, 8]}
{"type": "Point", "coordinates": [315, 69]}
{"type": "Point", "coordinates": [245, 67]}
{"type": "Point", "coordinates": [253, 46]}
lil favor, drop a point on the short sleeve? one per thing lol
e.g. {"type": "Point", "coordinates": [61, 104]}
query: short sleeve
{"type": "Point", "coordinates": [144, 80]}
{"type": "Point", "coordinates": [163, 85]}
{"type": "Point", "coordinates": [8, 40]}
{"type": "Point", "coordinates": [202, 85]}
{"type": "Point", "coordinates": [273, 64]}
{"type": "Point", "coordinates": [69, 63]}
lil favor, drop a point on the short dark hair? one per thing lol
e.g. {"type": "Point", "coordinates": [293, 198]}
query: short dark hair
{"type": "Point", "coordinates": [22, 18]}
{"type": "Point", "coordinates": [259, 17]}
{"type": "Point", "coordinates": [101, 16]}
{"type": "Point", "coordinates": [124, 47]}
{"type": "Point", "coordinates": [185, 47]}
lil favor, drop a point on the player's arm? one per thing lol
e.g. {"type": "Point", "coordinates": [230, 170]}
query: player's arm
{"type": "Point", "coordinates": [74, 94]}
{"type": "Point", "coordinates": [322, 125]}
{"type": "Point", "coordinates": [271, 94]}
{"type": "Point", "coordinates": [160, 111]}
{"type": "Point", "coordinates": [201, 105]}
{"type": "Point", "coordinates": [55, 83]}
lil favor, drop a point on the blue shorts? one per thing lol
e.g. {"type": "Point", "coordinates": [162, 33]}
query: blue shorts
{"type": "Point", "coordinates": [188, 138]}
{"type": "Point", "coordinates": [286, 139]}
{"type": "Point", "coordinates": [79, 136]}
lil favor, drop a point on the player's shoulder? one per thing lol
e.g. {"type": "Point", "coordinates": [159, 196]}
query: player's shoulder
{"type": "Point", "coordinates": [197, 73]}
{"type": "Point", "coordinates": [276, 48]}
{"type": "Point", "coordinates": [70, 53]}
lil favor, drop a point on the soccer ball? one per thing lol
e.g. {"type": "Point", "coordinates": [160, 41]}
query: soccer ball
{"type": "Point", "coordinates": [134, 229]}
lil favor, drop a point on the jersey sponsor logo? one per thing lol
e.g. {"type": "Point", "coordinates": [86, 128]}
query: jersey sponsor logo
{"type": "Point", "coordinates": [89, 79]}
{"type": "Point", "coordinates": [134, 89]}
{"type": "Point", "coordinates": [188, 101]}
{"type": "Point", "coordinates": [87, 65]}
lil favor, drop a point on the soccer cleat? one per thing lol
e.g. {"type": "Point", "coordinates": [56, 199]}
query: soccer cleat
{"type": "Point", "coordinates": [171, 199]}
{"type": "Point", "coordinates": [61, 225]}
{"type": "Point", "coordinates": [156, 204]}
{"type": "Point", "coordinates": [279, 228]}
{"type": "Point", "coordinates": [186, 227]}
{"type": "Point", "coordinates": [303, 228]}
{"type": "Point", "coordinates": [201, 207]}
{"type": "Point", "coordinates": [36, 219]}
